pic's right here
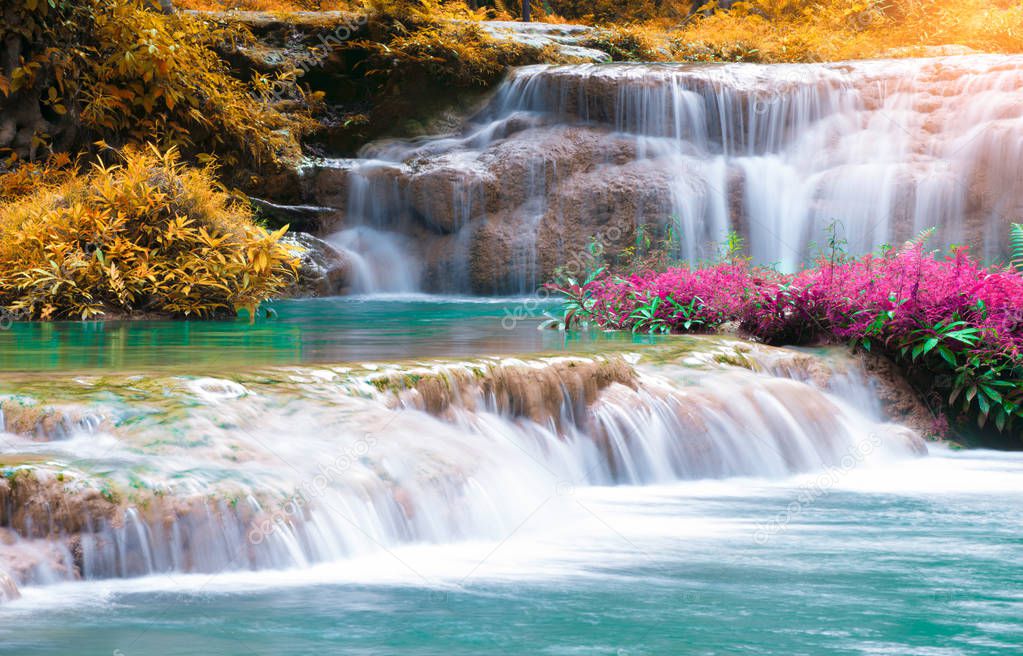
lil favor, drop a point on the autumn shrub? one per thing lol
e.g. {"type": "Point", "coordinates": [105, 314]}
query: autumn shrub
{"type": "Point", "coordinates": [121, 72]}
{"type": "Point", "coordinates": [148, 236]}
{"type": "Point", "coordinates": [32, 176]}
{"type": "Point", "coordinates": [809, 31]}
{"type": "Point", "coordinates": [268, 5]}
{"type": "Point", "coordinates": [442, 40]}
{"type": "Point", "coordinates": [605, 12]}
{"type": "Point", "coordinates": [627, 43]}
{"type": "Point", "coordinates": [459, 53]}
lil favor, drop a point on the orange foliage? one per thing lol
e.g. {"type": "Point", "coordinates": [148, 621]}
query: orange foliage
{"type": "Point", "coordinates": [148, 236]}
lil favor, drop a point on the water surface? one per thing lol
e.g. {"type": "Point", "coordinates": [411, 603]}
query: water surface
{"type": "Point", "coordinates": [333, 330]}
{"type": "Point", "coordinates": [921, 558]}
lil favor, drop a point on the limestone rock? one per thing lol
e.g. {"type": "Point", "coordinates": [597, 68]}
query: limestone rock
{"type": "Point", "coordinates": [324, 270]}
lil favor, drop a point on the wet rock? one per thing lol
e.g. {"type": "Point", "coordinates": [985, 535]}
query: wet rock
{"type": "Point", "coordinates": [324, 270]}
{"type": "Point", "coordinates": [538, 391]}
{"type": "Point", "coordinates": [299, 218]}
{"type": "Point", "coordinates": [8, 589]}
{"type": "Point", "coordinates": [325, 183]}
{"type": "Point", "coordinates": [900, 402]}
{"type": "Point", "coordinates": [566, 39]}
{"type": "Point", "coordinates": [47, 423]}
{"type": "Point", "coordinates": [38, 504]}
{"type": "Point", "coordinates": [604, 203]}
{"type": "Point", "coordinates": [451, 193]}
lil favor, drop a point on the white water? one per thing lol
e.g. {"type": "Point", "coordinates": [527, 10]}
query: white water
{"type": "Point", "coordinates": [380, 261]}
{"type": "Point", "coordinates": [882, 149]}
{"type": "Point", "coordinates": [592, 533]}
{"type": "Point", "coordinates": [259, 476]}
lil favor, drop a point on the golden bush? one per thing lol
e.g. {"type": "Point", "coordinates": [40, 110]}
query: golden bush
{"type": "Point", "coordinates": [124, 72]}
{"type": "Point", "coordinates": [443, 40]}
{"type": "Point", "coordinates": [149, 236]}
{"type": "Point", "coordinates": [807, 31]}
{"type": "Point", "coordinates": [629, 43]}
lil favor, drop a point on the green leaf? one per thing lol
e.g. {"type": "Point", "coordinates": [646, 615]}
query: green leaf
{"type": "Point", "coordinates": [1016, 247]}
{"type": "Point", "coordinates": [947, 355]}
{"type": "Point", "coordinates": [991, 393]}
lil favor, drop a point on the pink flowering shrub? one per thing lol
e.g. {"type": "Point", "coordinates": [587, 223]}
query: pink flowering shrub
{"type": "Point", "coordinates": [678, 300]}
{"type": "Point", "coordinates": [954, 325]}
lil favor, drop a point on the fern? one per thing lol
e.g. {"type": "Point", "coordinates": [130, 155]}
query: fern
{"type": "Point", "coordinates": [1016, 247]}
{"type": "Point", "coordinates": [921, 238]}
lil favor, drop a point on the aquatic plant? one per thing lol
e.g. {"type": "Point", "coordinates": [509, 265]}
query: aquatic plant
{"type": "Point", "coordinates": [146, 236]}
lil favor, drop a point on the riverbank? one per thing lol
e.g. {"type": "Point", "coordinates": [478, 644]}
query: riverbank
{"type": "Point", "coordinates": [950, 324]}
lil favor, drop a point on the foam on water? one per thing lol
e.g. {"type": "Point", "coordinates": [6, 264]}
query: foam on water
{"type": "Point", "coordinates": [594, 533]}
{"type": "Point", "coordinates": [319, 467]}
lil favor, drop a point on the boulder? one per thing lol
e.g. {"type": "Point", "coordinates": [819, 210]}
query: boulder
{"type": "Point", "coordinates": [452, 192]}
{"type": "Point", "coordinates": [324, 270]}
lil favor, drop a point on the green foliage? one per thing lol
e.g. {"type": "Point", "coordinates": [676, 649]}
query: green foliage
{"type": "Point", "coordinates": [919, 240]}
{"type": "Point", "coordinates": [649, 317]}
{"type": "Point", "coordinates": [1016, 247]}
{"type": "Point", "coordinates": [733, 251]}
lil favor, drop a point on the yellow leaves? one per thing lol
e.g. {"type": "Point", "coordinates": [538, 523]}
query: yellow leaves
{"type": "Point", "coordinates": [148, 235]}
{"type": "Point", "coordinates": [146, 76]}
{"type": "Point", "coordinates": [24, 77]}
{"type": "Point", "coordinates": [53, 101]}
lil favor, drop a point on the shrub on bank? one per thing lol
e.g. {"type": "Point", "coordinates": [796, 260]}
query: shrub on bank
{"type": "Point", "coordinates": [147, 237]}
{"type": "Point", "coordinates": [954, 325]}
{"type": "Point", "coordinates": [121, 71]}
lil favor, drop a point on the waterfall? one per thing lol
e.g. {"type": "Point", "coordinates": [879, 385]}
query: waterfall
{"type": "Point", "coordinates": [874, 150]}
{"type": "Point", "coordinates": [209, 475]}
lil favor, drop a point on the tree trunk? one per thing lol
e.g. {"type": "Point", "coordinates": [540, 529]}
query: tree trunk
{"type": "Point", "coordinates": [525, 11]}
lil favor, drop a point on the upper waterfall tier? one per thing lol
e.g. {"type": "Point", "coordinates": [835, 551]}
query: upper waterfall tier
{"type": "Point", "coordinates": [880, 149]}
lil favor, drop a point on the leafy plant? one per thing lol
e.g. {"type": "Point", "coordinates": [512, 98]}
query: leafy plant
{"type": "Point", "coordinates": [120, 72]}
{"type": "Point", "coordinates": [1016, 247]}
{"type": "Point", "coordinates": [644, 316]}
{"type": "Point", "coordinates": [919, 240]}
{"type": "Point", "coordinates": [577, 300]}
{"type": "Point", "coordinates": [939, 318]}
{"type": "Point", "coordinates": [147, 236]}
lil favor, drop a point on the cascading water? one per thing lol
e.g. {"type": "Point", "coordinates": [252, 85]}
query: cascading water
{"type": "Point", "coordinates": [321, 465]}
{"type": "Point", "coordinates": [380, 256]}
{"type": "Point", "coordinates": [875, 150]}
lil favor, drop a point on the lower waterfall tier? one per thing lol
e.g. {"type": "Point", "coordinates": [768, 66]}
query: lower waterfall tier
{"type": "Point", "coordinates": [290, 467]}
